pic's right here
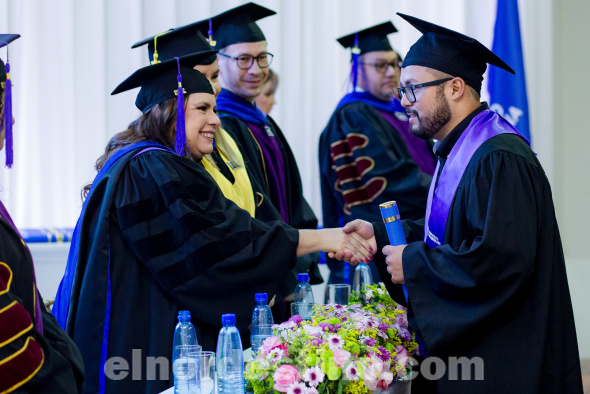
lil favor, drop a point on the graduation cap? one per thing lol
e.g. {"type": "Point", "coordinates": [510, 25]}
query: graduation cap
{"type": "Point", "coordinates": [234, 26]}
{"type": "Point", "coordinates": [371, 39]}
{"type": "Point", "coordinates": [451, 52]}
{"type": "Point", "coordinates": [6, 85]}
{"type": "Point", "coordinates": [166, 80]}
{"type": "Point", "coordinates": [179, 42]}
{"type": "Point", "coordinates": [364, 41]}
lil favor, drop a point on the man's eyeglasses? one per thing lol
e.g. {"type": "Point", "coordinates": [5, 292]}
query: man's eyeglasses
{"type": "Point", "coordinates": [381, 67]}
{"type": "Point", "coordinates": [246, 61]}
{"type": "Point", "coordinates": [409, 90]}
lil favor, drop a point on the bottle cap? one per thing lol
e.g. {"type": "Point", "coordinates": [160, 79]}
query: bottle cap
{"type": "Point", "coordinates": [228, 318]}
{"type": "Point", "coordinates": [303, 277]}
{"type": "Point", "coordinates": [184, 315]}
{"type": "Point", "coordinates": [261, 297]}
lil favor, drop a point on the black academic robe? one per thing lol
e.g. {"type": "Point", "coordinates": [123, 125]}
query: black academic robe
{"type": "Point", "coordinates": [497, 287]}
{"type": "Point", "coordinates": [301, 215]}
{"type": "Point", "coordinates": [361, 134]}
{"type": "Point", "coordinates": [159, 226]}
{"type": "Point", "coordinates": [30, 362]}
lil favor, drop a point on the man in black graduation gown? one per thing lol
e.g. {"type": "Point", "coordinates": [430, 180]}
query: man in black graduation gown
{"type": "Point", "coordinates": [244, 63]}
{"type": "Point", "coordinates": [484, 270]}
{"type": "Point", "coordinates": [367, 154]}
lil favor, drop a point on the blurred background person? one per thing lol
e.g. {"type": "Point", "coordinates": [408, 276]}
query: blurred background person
{"type": "Point", "coordinates": [367, 154]}
{"type": "Point", "coordinates": [265, 100]}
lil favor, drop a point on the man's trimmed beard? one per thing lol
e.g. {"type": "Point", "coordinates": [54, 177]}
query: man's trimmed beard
{"type": "Point", "coordinates": [428, 126]}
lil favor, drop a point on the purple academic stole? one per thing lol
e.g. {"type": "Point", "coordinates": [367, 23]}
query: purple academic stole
{"type": "Point", "coordinates": [484, 126]}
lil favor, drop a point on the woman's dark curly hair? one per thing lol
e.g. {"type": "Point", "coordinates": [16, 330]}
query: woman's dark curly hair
{"type": "Point", "coordinates": [157, 124]}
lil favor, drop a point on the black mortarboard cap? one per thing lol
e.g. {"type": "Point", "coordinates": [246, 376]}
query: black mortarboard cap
{"type": "Point", "coordinates": [158, 82]}
{"type": "Point", "coordinates": [235, 26]}
{"type": "Point", "coordinates": [451, 52]}
{"type": "Point", "coordinates": [371, 39]}
{"type": "Point", "coordinates": [6, 39]}
{"type": "Point", "coordinates": [179, 42]}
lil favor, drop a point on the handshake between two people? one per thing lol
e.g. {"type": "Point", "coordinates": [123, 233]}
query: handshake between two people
{"type": "Point", "coordinates": [354, 243]}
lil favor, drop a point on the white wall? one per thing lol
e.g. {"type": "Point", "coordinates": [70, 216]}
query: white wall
{"type": "Point", "coordinates": [571, 139]}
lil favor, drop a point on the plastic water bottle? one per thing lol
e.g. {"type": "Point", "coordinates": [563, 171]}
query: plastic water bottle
{"type": "Point", "coordinates": [303, 298]}
{"type": "Point", "coordinates": [261, 322]}
{"type": "Point", "coordinates": [229, 358]}
{"type": "Point", "coordinates": [362, 278]}
{"type": "Point", "coordinates": [303, 292]}
{"type": "Point", "coordinates": [184, 367]}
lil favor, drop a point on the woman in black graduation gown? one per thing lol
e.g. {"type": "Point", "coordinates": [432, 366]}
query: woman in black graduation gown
{"type": "Point", "coordinates": [157, 236]}
{"type": "Point", "coordinates": [35, 354]}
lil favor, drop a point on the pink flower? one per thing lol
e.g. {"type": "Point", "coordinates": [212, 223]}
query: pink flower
{"type": "Point", "coordinates": [385, 380]}
{"type": "Point", "coordinates": [285, 376]}
{"type": "Point", "coordinates": [340, 357]}
{"type": "Point", "coordinates": [370, 373]}
{"type": "Point", "coordinates": [402, 355]}
{"type": "Point", "coordinates": [270, 343]}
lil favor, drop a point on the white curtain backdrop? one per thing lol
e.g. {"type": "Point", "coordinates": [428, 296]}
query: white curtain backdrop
{"type": "Point", "coordinates": [73, 53]}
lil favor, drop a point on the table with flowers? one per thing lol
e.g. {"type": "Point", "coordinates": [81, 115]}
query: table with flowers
{"type": "Point", "coordinates": [362, 347]}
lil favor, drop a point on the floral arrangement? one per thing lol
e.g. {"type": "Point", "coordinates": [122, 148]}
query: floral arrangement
{"type": "Point", "coordinates": [343, 349]}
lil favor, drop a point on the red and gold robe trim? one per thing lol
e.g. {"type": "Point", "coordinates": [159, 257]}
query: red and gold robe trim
{"type": "Point", "coordinates": [14, 322]}
{"type": "Point", "coordinates": [345, 147]}
{"type": "Point", "coordinates": [354, 171]}
{"type": "Point", "coordinates": [20, 367]}
{"type": "Point", "coordinates": [5, 278]}
{"type": "Point", "coordinates": [364, 194]}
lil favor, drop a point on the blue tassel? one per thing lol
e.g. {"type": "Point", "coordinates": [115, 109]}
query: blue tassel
{"type": "Point", "coordinates": [355, 62]}
{"type": "Point", "coordinates": [180, 140]}
{"type": "Point", "coordinates": [8, 116]}
{"type": "Point", "coordinates": [212, 42]}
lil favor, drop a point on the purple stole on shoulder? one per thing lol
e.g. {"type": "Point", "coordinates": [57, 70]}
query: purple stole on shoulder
{"type": "Point", "coordinates": [484, 126]}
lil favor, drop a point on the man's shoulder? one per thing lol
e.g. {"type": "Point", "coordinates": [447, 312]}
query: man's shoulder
{"type": "Point", "coordinates": [506, 143]}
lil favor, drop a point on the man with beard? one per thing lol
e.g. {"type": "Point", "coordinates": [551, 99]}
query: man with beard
{"type": "Point", "coordinates": [485, 271]}
{"type": "Point", "coordinates": [367, 154]}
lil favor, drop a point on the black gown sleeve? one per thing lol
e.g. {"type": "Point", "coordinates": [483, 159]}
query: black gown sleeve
{"type": "Point", "coordinates": [196, 244]}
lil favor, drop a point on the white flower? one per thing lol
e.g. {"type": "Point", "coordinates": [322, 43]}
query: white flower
{"type": "Point", "coordinates": [287, 325]}
{"type": "Point", "coordinates": [297, 388]}
{"type": "Point", "coordinates": [309, 330]}
{"type": "Point", "coordinates": [275, 354]}
{"type": "Point", "coordinates": [352, 372]}
{"type": "Point", "coordinates": [369, 294]}
{"type": "Point", "coordinates": [314, 376]}
{"type": "Point", "coordinates": [312, 390]}
{"type": "Point", "coordinates": [335, 342]}
{"type": "Point", "coordinates": [380, 290]}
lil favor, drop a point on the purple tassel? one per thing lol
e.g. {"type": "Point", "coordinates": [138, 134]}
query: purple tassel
{"type": "Point", "coordinates": [355, 62]}
{"type": "Point", "coordinates": [180, 139]}
{"type": "Point", "coordinates": [8, 116]}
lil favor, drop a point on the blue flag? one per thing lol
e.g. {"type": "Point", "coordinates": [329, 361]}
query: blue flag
{"type": "Point", "coordinates": [508, 91]}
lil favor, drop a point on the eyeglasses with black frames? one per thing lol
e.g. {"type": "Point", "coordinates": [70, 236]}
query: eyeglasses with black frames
{"type": "Point", "coordinates": [409, 90]}
{"type": "Point", "coordinates": [381, 67]}
{"type": "Point", "coordinates": [246, 61]}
